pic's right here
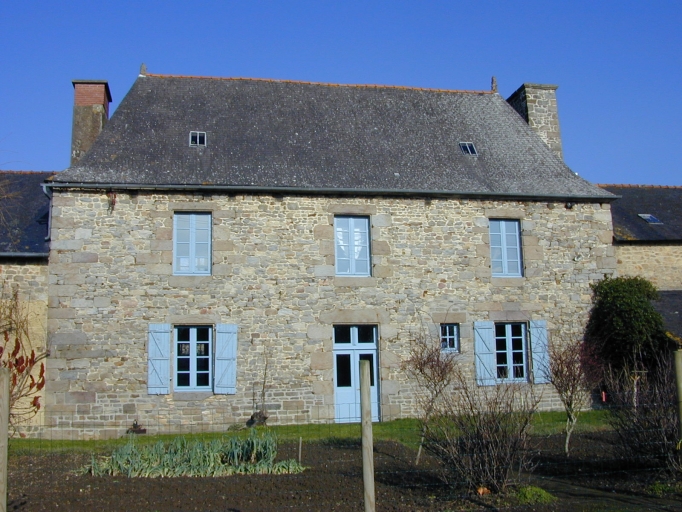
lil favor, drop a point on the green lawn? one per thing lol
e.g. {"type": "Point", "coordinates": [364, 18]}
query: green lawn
{"type": "Point", "coordinates": [405, 431]}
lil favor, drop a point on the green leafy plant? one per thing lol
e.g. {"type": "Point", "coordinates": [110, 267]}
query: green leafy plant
{"type": "Point", "coordinates": [624, 329]}
{"type": "Point", "coordinates": [531, 495]}
{"type": "Point", "coordinates": [255, 454]}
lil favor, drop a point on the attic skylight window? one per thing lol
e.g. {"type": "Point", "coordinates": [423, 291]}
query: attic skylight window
{"type": "Point", "coordinates": [468, 148]}
{"type": "Point", "coordinates": [197, 138]}
{"type": "Point", "coordinates": [649, 218]}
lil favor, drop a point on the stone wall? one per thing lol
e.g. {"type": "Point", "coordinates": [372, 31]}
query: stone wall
{"type": "Point", "coordinates": [660, 264]}
{"type": "Point", "coordinates": [29, 277]}
{"type": "Point", "coordinates": [273, 275]}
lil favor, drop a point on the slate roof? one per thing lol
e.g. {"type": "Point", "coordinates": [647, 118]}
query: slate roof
{"type": "Point", "coordinates": [297, 136]}
{"type": "Point", "coordinates": [24, 210]}
{"type": "Point", "coordinates": [669, 306]}
{"type": "Point", "coordinates": [665, 203]}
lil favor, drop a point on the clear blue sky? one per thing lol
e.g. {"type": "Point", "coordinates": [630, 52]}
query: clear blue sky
{"type": "Point", "coordinates": [617, 63]}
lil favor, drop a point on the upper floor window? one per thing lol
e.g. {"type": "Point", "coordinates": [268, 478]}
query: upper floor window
{"type": "Point", "coordinates": [505, 248]}
{"type": "Point", "coordinates": [449, 337]}
{"type": "Point", "coordinates": [197, 138]}
{"type": "Point", "coordinates": [351, 239]}
{"type": "Point", "coordinates": [192, 243]}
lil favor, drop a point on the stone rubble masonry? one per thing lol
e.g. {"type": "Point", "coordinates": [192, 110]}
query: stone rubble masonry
{"type": "Point", "coordinates": [273, 275]}
{"type": "Point", "coordinates": [660, 264]}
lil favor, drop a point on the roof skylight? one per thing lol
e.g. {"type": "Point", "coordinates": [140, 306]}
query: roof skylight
{"type": "Point", "coordinates": [649, 218]}
{"type": "Point", "coordinates": [197, 138]}
{"type": "Point", "coordinates": [468, 148]}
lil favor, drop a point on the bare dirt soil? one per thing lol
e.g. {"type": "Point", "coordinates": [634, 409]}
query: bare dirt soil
{"type": "Point", "coordinates": [596, 478]}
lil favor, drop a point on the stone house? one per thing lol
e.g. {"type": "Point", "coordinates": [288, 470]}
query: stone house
{"type": "Point", "coordinates": [647, 237]}
{"type": "Point", "coordinates": [225, 242]}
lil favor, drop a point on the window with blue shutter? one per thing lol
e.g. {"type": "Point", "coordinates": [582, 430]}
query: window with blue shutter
{"type": "Point", "coordinates": [505, 248]}
{"type": "Point", "coordinates": [352, 246]}
{"type": "Point", "coordinates": [539, 351]}
{"type": "Point", "coordinates": [158, 359]}
{"type": "Point", "coordinates": [484, 350]}
{"type": "Point", "coordinates": [226, 359]}
{"type": "Point", "coordinates": [192, 243]}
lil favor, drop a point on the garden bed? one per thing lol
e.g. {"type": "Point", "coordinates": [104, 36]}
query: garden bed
{"type": "Point", "coordinates": [595, 478]}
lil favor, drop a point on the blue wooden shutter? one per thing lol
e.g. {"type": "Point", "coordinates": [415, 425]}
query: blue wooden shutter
{"type": "Point", "coordinates": [484, 349]}
{"type": "Point", "coordinates": [158, 359]}
{"type": "Point", "coordinates": [225, 359]}
{"type": "Point", "coordinates": [539, 351]}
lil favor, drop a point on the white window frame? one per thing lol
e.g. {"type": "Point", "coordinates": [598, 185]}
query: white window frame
{"type": "Point", "coordinates": [352, 238]}
{"type": "Point", "coordinates": [505, 248]}
{"type": "Point", "coordinates": [192, 358]}
{"type": "Point", "coordinates": [511, 360]}
{"type": "Point", "coordinates": [195, 236]}
{"type": "Point", "coordinates": [449, 337]}
{"type": "Point", "coordinates": [198, 136]}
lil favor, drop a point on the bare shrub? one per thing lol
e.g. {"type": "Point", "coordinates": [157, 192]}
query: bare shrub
{"type": "Point", "coordinates": [27, 371]}
{"type": "Point", "coordinates": [643, 412]}
{"type": "Point", "coordinates": [432, 370]}
{"type": "Point", "coordinates": [574, 372]}
{"type": "Point", "coordinates": [481, 433]}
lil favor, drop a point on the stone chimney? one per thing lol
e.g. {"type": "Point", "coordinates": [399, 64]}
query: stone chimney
{"type": "Point", "coordinates": [537, 105]}
{"type": "Point", "coordinates": [90, 114]}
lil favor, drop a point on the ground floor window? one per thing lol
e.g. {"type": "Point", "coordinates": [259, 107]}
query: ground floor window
{"type": "Point", "coordinates": [510, 351]}
{"type": "Point", "coordinates": [193, 358]}
{"type": "Point", "coordinates": [449, 337]}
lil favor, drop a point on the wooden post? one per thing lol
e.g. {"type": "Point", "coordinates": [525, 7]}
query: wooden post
{"type": "Point", "coordinates": [367, 439]}
{"type": "Point", "coordinates": [678, 375]}
{"type": "Point", "coordinates": [4, 422]}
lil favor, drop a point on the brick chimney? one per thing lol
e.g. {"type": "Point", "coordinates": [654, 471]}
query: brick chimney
{"type": "Point", "coordinates": [537, 105]}
{"type": "Point", "coordinates": [90, 114]}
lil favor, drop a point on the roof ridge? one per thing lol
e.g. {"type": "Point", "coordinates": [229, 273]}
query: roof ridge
{"type": "Point", "coordinates": [326, 84]}
{"type": "Point", "coordinates": [604, 185]}
{"type": "Point", "coordinates": [7, 171]}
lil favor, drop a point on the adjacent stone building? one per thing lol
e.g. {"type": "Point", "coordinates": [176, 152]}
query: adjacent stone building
{"type": "Point", "coordinates": [226, 242]}
{"type": "Point", "coordinates": [647, 237]}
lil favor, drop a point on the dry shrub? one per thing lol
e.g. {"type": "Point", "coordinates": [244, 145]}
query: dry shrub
{"type": "Point", "coordinates": [574, 372]}
{"type": "Point", "coordinates": [481, 433]}
{"type": "Point", "coordinates": [643, 412]}
{"type": "Point", "coordinates": [25, 365]}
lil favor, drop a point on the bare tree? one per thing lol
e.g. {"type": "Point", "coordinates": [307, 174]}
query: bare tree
{"type": "Point", "coordinates": [574, 373]}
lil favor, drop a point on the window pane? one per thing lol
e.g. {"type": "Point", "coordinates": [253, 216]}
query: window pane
{"type": "Point", "coordinates": [370, 358]}
{"type": "Point", "coordinates": [183, 379]}
{"type": "Point", "coordinates": [202, 364]}
{"type": "Point", "coordinates": [183, 364]}
{"type": "Point", "coordinates": [202, 349]}
{"type": "Point", "coordinates": [183, 349]}
{"type": "Point", "coordinates": [203, 333]}
{"type": "Point", "coordinates": [182, 333]}
{"type": "Point", "coordinates": [343, 371]}
{"type": "Point", "coordinates": [342, 334]}
{"type": "Point", "coordinates": [202, 379]}
{"type": "Point", "coordinates": [365, 333]}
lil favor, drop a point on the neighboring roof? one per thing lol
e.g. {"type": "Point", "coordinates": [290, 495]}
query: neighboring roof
{"type": "Point", "coordinates": [669, 306]}
{"type": "Point", "coordinates": [664, 203]}
{"type": "Point", "coordinates": [296, 136]}
{"type": "Point", "coordinates": [24, 211]}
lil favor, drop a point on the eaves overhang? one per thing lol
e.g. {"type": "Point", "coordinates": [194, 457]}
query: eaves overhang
{"type": "Point", "coordinates": [456, 194]}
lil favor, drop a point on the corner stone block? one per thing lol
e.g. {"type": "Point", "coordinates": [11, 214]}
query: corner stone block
{"type": "Point", "coordinates": [321, 361]}
{"type": "Point", "coordinates": [324, 271]}
{"type": "Point", "coordinates": [323, 232]}
{"type": "Point", "coordinates": [319, 332]}
{"type": "Point", "coordinates": [85, 257]}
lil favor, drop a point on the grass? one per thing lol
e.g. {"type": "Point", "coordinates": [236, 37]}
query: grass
{"type": "Point", "coordinates": [405, 431]}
